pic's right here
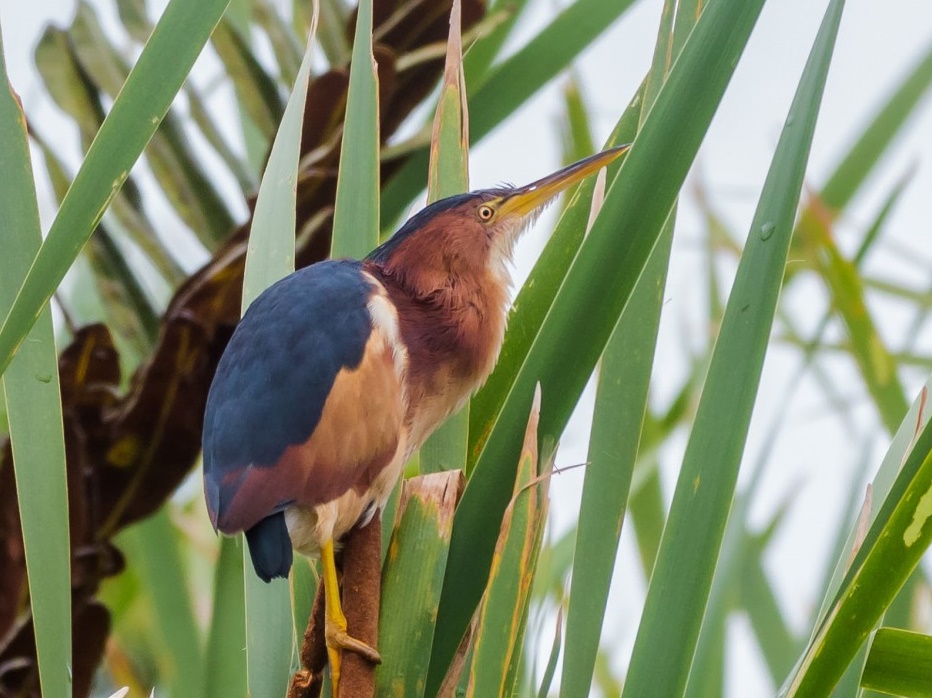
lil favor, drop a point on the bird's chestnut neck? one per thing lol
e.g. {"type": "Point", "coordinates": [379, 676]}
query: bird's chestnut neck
{"type": "Point", "coordinates": [451, 320]}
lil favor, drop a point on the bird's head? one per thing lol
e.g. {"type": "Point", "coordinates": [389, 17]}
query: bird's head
{"type": "Point", "coordinates": [471, 237]}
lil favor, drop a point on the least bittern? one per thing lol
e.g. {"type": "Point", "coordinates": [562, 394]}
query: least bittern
{"type": "Point", "coordinates": [339, 372]}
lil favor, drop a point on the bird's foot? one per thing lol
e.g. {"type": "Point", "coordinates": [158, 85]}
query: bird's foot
{"type": "Point", "coordinates": [339, 640]}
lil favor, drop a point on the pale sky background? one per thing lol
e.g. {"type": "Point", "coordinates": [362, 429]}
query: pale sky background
{"type": "Point", "coordinates": [815, 457]}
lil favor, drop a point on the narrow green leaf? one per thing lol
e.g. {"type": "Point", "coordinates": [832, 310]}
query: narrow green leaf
{"type": "Point", "coordinates": [511, 84]}
{"type": "Point", "coordinates": [356, 214]}
{"type": "Point", "coordinates": [621, 401]}
{"type": "Point", "coordinates": [225, 670]}
{"type": "Point", "coordinates": [647, 509]}
{"type": "Point", "coordinates": [332, 30]}
{"type": "Point", "coordinates": [282, 39]}
{"type": "Point", "coordinates": [180, 175]}
{"type": "Point", "coordinates": [778, 645]}
{"type": "Point", "coordinates": [67, 85]}
{"type": "Point", "coordinates": [254, 138]}
{"type": "Point", "coordinates": [134, 18]}
{"type": "Point", "coordinates": [304, 580]}
{"type": "Point", "coordinates": [162, 579]}
{"type": "Point", "coordinates": [741, 553]}
{"type": "Point", "coordinates": [682, 576]}
{"type": "Point", "coordinates": [127, 307]}
{"type": "Point", "coordinates": [551, 669]}
{"type": "Point", "coordinates": [882, 487]}
{"type": "Point", "coordinates": [554, 566]}
{"type": "Point", "coordinates": [269, 632]}
{"type": "Point", "coordinates": [446, 448]}
{"type": "Point", "coordinates": [867, 346]}
{"type": "Point", "coordinates": [270, 253]}
{"type": "Point", "coordinates": [707, 672]}
{"type": "Point", "coordinates": [899, 663]}
{"type": "Point", "coordinates": [162, 67]}
{"type": "Point", "coordinates": [256, 91]}
{"type": "Point", "coordinates": [842, 541]}
{"type": "Point", "coordinates": [603, 275]}
{"type": "Point", "coordinates": [577, 133]}
{"type": "Point", "coordinates": [907, 610]}
{"type": "Point", "coordinates": [389, 513]}
{"type": "Point", "coordinates": [687, 14]}
{"type": "Point", "coordinates": [872, 234]}
{"type": "Point", "coordinates": [270, 635]}
{"type": "Point", "coordinates": [449, 143]}
{"type": "Point", "coordinates": [411, 580]}
{"type": "Point", "coordinates": [921, 299]}
{"type": "Point", "coordinates": [536, 296]}
{"type": "Point", "coordinates": [482, 55]}
{"type": "Point", "coordinates": [99, 59]}
{"type": "Point", "coordinates": [503, 613]}
{"type": "Point", "coordinates": [861, 160]}
{"type": "Point", "coordinates": [71, 89]}
{"type": "Point", "coordinates": [200, 114]}
{"type": "Point", "coordinates": [33, 406]}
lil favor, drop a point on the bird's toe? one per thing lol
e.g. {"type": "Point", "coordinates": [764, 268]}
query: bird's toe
{"type": "Point", "coordinates": [338, 639]}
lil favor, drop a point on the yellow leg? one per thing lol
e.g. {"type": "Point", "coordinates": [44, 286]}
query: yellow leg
{"type": "Point", "coordinates": [335, 628]}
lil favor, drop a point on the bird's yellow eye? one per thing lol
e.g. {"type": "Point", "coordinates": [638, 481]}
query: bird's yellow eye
{"type": "Point", "coordinates": [486, 213]}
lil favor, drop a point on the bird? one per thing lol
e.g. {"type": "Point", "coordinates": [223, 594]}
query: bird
{"type": "Point", "coordinates": [339, 372]}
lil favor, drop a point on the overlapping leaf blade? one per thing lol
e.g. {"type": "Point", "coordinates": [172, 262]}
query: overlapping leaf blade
{"type": "Point", "coordinates": [621, 400]}
{"type": "Point", "coordinates": [682, 576]}
{"type": "Point", "coordinates": [502, 616]}
{"type": "Point", "coordinates": [143, 102]}
{"type": "Point", "coordinates": [602, 276]}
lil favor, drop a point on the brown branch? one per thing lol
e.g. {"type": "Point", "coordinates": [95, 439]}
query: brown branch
{"type": "Point", "coordinates": [308, 682]}
{"type": "Point", "coordinates": [362, 578]}
{"type": "Point", "coordinates": [362, 562]}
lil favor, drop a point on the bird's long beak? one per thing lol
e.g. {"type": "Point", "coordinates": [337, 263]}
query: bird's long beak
{"type": "Point", "coordinates": [525, 200]}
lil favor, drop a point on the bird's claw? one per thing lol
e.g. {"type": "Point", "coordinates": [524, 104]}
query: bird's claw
{"type": "Point", "coordinates": [339, 639]}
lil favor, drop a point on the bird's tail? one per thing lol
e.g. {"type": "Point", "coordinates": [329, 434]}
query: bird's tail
{"type": "Point", "coordinates": [270, 547]}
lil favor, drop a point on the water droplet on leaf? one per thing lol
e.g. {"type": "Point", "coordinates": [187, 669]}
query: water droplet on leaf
{"type": "Point", "coordinates": [766, 230]}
